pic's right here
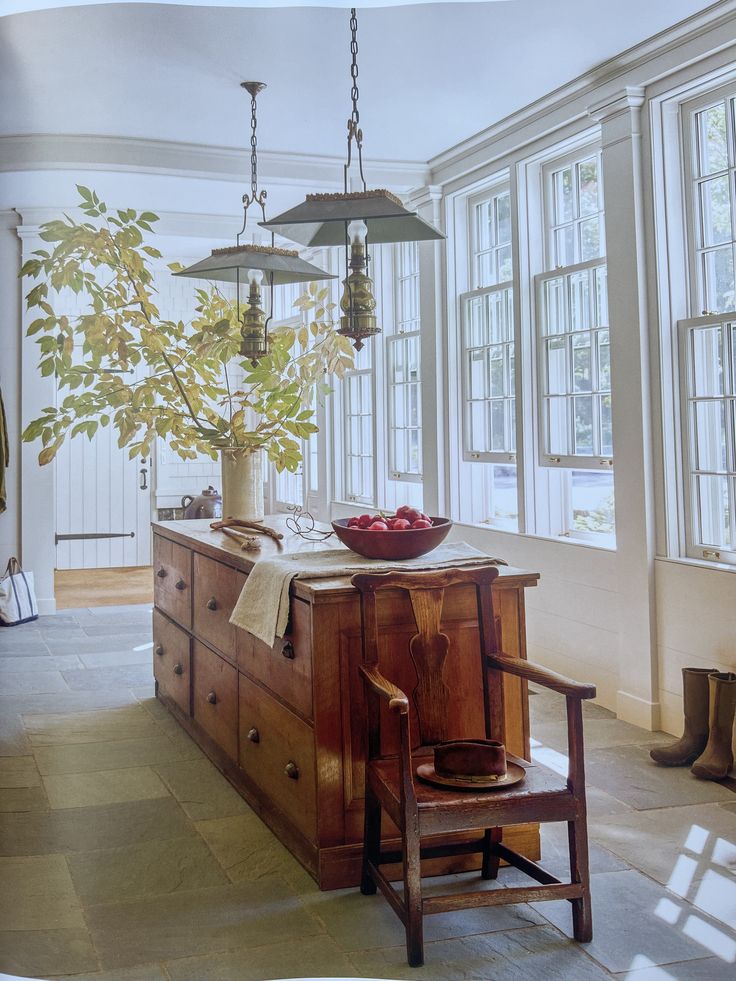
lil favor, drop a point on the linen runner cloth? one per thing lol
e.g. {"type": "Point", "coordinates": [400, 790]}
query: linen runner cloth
{"type": "Point", "coordinates": [263, 605]}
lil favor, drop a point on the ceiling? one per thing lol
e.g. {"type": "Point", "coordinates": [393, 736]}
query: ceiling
{"type": "Point", "coordinates": [430, 75]}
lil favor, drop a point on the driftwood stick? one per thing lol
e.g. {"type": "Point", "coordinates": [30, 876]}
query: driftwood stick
{"type": "Point", "coordinates": [252, 525]}
{"type": "Point", "coordinates": [247, 542]}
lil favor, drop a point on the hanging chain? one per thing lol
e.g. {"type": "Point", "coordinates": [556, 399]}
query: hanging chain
{"type": "Point", "coordinates": [354, 130]}
{"type": "Point", "coordinates": [253, 149]}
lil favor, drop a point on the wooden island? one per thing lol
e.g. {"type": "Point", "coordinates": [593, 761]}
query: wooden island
{"type": "Point", "coordinates": [285, 724]}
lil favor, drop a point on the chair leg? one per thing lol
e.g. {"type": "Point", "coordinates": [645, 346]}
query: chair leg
{"type": "Point", "coordinates": [371, 841]}
{"type": "Point", "coordinates": [582, 917]}
{"type": "Point", "coordinates": [413, 895]}
{"type": "Point", "coordinates": [491, 862]}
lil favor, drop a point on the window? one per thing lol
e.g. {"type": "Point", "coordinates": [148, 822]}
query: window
{"type": "Point", "coordinates": [573, 345]}
{"type": "Point", "coordinates": [403, 354]}
{"type": "Point", "coordinates": [357, 393]}
{"type": "Point", "coordinates": [707, 341]}
{"type": "Point", "coordinates": [488, 369]}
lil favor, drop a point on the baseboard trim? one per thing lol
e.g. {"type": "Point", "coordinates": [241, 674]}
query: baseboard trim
{"type": "Point", "coordinates": [638, 711]}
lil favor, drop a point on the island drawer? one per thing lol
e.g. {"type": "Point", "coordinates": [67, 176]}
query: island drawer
{"type": "Point", "coordinates": [277, 754]}
{"type": "Point", "coordinates": [215, 698]}
{"type": "Point", "coordinates": [216, 590]}
{"type": "Point", "coordinates": [171, 660]}
{"type": "Point", "coordinates": [172, 580]}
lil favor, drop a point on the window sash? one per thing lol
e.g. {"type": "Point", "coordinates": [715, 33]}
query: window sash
{"type": "Point", "coordinates": [359, 436]}
{"type": "Point", "coordinates": [487, 351]}
{"type": "Point", "coordinates": [708, 406]}
{"type": "Point", "coordinates": [574, 383]}
{"type": "Point", "coordinates": [572, 229]}
{"type": "Point", "coordinates": [404, 406]}
{"type": "Point", "coordinates": [490, 238]}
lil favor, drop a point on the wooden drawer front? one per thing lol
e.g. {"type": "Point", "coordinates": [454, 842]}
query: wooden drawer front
{"type": "Point", "coordinates": [216, 590]}
{"type": "Point", "coordinates": [277, 754]}
{"type": "Point", "coordinates": [215, 698]}
{"type": "Point", "coordinates": [171, 660]}
{"type": "Point", "coordinates": [285, 668]}
{"type": "Point", "coordinates": [172, 580]}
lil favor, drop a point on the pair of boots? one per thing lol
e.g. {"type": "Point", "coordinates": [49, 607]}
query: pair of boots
{"type": "Point", "coordinates": [709, 701]}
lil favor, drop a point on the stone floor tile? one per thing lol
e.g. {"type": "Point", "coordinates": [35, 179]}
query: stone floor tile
{"type": "Point", "coordinates": [82, 829]}
{"type": "Point", "coordinates": [42, 953]}
{"type": "Point", "coordinates": [201, 790]}
{"type": "Point", "coordinates": [18, 771]}
{"type": "Point", "coordinates": [630, 918]}
{"type": "Point", "coordinates": [199, 922]}
{"type": "Point", "coordinates": [116, 659]}
{"type": "Point", "coordinates": [140, 972]}
{"type": "Point", "coordinates": [674, 845]}
{"type": "Point", "coordinates": [115, 723]}
{"type": "Point", "coordinates": [598, 734]}
{"type": "Point", "coordinates": [150, 868]}
{"type": "Point", "coordinates": [84, 644]}
{"type": "Point", "coordinates": [627, 772]}
{"type": "Point", "coordinates": [38, 894]}
{"type": "Point", "coordinates": [46, 662]}
{"type": "Point", "coordinates": [357, 922]}
{"type": "Point", "coordinates": [117, 611]}
{"type": "Point", "coordinates": [110, 676]}
{"type": "Point", "coordinates": [110, 755]}
{"type": "Point", "coordinates": [708, 969]}
{"type": "Point", "coordinates": [13, 739]}
{"type": "Point", "coordinates": [31, 682]}
{"type": "Point", "coordinates": [248, 851]}
{"type": "Point", "coordinates": [103, 787]}
{"type": "Point", "coordinates": [17, 646]}
{"type": "Point", "coordinates": [317, 957]}
{"type": "Point", "coordinates": [23, 799]}
{"type": "Point", "coordinates": [556, 858]}
{"type": "Point", "coordinates": [517, 955]}
{"type": "Point", "coordinates": [66, 701]}
{"type": "Point", "coordinates": [140, 626]}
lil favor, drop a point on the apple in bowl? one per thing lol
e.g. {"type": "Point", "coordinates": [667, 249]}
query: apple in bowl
{"type": "Point", "coordinates": [406, 534]}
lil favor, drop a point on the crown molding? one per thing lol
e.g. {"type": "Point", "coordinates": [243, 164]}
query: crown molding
{"type": "Point", "coordinates": [704, 33]}
{"type": "Point", "coordinates": [128, 154]}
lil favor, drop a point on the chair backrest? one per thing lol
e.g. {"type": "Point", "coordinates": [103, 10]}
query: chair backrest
{"type": "Point", "coordinates": [430, 647]}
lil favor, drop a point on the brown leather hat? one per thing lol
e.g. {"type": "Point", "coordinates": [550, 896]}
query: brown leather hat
{"type": "Point", "coordinates": [471, 764]}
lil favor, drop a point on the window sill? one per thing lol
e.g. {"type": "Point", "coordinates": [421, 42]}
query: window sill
{"type": "Point", "coordinates": [696, 563]}
{"type": "Point", "coordinates": [557, 539]}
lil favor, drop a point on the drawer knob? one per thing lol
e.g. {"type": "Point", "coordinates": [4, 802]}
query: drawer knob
{"type": "Point", "coordinates": [254, 735]}
{"type": "Point", "coordinates": [212, 698]}
{"type": "Point", "coordinates": [178, 669]}
{"type": "Point", "coordinates": [161, 573]}
{"type": "Point", "coordinates": [212, 604]}
{"type": "Point", "coordinates": [159, 649]}
{"type": "Point", "coordinates": [288, 650]}
{"type": "Point", "coordinates": [181, 584]}
{"type": "Point", "coordinates": [291, 770]}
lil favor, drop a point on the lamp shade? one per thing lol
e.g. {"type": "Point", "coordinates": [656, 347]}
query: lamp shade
{"type": "Point", "coordinates": [320, 219]}
{"type": "Point", "coordinates": [231, 264]}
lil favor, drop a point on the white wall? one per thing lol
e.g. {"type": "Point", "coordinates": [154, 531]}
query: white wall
{"type": "Point", "coordinates": [10, 342]}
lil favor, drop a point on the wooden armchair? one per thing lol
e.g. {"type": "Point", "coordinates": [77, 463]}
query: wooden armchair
{"type": "Point", "coordinates": [420, 809]}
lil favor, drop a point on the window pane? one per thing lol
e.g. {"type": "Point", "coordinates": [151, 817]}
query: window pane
{"type": "Point", "coordinates": [565, 246]}
{"type": "Point", "coordinates": [503, 257]}
{"type": "Point", "coordinates": [715, 211]}
{"type": "Point", "coordinates": [475, 329]}
{"type": "Point", "coordinates": [583, 413]}
{"type": "Point", "coordinates": [580, 301]}
{"type": "Point", "coordinates": [588, 186]}
{"type": "Point", "coordinates": [714, 511]}
{"type": "Point", "coordinates": [582, 365]}
{"type": "Point", "coordinates": [604, 361]}
{"type": "Point", "coordinates": [496, 372]}
{"type": "Point", "coordinates": [503, 217]}
{"type": "Point", "coordinates": [563, 196]}
{"type": "Point", "coordinates": [496, 318]}
{"type": "Point", "coordinates": [477, 375]}
{"type": "Point", "coordinates": [556, 351]}
{"type": "Point", "coordinates": [592, 502]}
{"type": "Point", "coordinates": [712, 139]}
{"type": "Point", "coordinates": [606, 425]}
{"type": "Point", "coordinates": [718, 274]}
{"type": "Point", "coordinates": [600, 299]}
{"type": "Point", "coordinates": [707, 353]}
{"type": "Point", "coordinates": [498, 425]}
{"type": "Point", "coordinates": [554, 306]}
{"type": "Point", "coordinates": [557, 426]}
{"type": "Point", "coordinates": [478, 428]}
{"type": "Point", "coordinates": [590, 239]}
{"type": "Point", "coordinates": [710, 435]}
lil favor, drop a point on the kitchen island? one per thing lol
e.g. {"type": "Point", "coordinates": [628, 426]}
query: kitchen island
{"type": "Point", "coordinates": [285, 723]}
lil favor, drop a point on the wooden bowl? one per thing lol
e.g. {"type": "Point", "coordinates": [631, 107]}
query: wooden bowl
{"type": "Point", "coordinates": [392, 545]}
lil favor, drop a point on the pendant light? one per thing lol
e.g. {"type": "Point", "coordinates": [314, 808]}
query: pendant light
{"type": "Point", "coordinates": [254, 263]}
{"type": "Point", "coordinates": [350, 219]}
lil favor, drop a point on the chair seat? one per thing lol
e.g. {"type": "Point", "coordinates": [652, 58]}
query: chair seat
{"type": "Point", "coordinates": [542, 795]}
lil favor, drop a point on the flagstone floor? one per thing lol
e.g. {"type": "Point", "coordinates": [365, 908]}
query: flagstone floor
{"type": "Point", "coordinates": [125, 856]}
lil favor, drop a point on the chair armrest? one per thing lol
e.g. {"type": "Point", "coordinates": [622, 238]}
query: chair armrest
{"type": "Point", "coordinates": [397, 700]}
{"type": "Point", "coordinates": [542, 676]}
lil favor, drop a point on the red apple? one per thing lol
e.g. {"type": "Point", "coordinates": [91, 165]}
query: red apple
{"type": "Point", "coordinates": [365, 520]}
{"type": "Point", "coordinates": [401, 524]}
{"type": "Point", "coordinates": [401, 512]}
{"type": "Point", "coordinates": [412, 515]}
{"type": "Point", "coordinates": [421, 523]}
{"type": "Point", "coordinates": [378, 526]}
{"type": "Point", "coordinates": [353, 523]}
{"type": "Point", "coordinates": [425, 517]}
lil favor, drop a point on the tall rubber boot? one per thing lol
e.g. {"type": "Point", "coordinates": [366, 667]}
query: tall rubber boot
{"type": "Point", "coordinates": [695, 707]}
{"type": "Point", "coordinates": [717, 759]}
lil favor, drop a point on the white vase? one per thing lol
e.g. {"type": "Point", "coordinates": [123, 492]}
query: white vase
{"type": "Point", "coordinates": [242, 483]}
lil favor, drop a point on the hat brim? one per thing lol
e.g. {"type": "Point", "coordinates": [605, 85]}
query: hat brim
{"type": "Point", "coordinates": [514, 774]}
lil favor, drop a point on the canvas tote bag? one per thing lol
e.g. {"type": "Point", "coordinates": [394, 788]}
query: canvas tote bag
{"type": "Point", "coordinates": [17, 596]}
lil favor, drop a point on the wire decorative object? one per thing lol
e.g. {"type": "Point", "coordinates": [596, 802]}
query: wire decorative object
{"type": "Point", "coordinates": [302, 523]}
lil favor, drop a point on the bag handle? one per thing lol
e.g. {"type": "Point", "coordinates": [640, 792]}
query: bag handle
{"type": "Point", "coordinates": [13, 567]}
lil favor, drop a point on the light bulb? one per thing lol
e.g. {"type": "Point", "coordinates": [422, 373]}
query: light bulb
{"type": "Point", "coordinates": [255, 277]}
{"type": "Point", "coordinates": [357, 232]}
